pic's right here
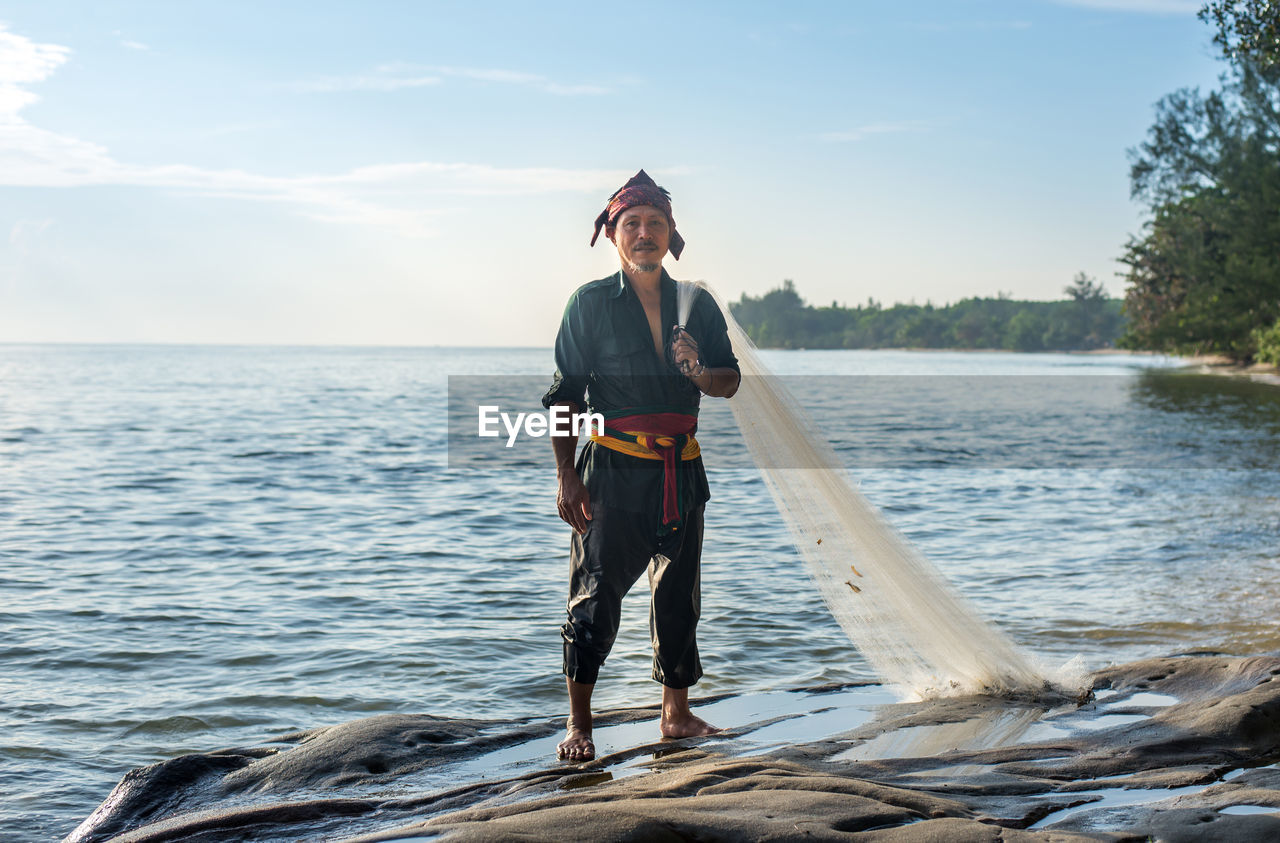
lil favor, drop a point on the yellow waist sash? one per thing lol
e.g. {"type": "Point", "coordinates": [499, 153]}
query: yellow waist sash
{"type": "Point", "coordinates": [644, 445]}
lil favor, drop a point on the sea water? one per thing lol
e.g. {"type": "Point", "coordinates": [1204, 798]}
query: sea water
{"type": "Point", "coordinates": [204, 547]}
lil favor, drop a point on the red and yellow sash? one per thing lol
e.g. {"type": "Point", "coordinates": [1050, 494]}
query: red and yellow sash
{"type": "Point", "coordinates": [656, 436]}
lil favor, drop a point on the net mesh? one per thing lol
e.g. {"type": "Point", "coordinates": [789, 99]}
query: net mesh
{"type": "Point", "coordinates": [916, 631]}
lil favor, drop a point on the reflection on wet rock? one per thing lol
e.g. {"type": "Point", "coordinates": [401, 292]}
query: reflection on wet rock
{"type": "Point", "coordinates": [1176, 748]}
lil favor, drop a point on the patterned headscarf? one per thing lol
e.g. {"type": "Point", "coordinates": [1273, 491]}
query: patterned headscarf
{"type": "Point", "coordinates": [640, 190]}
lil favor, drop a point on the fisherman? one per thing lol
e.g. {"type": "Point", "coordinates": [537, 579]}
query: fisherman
{"type": "Point", "coordinates": [636, 493]}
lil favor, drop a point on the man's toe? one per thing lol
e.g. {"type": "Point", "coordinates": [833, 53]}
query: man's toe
{"type": "Point", "coordinates": [576, 750]}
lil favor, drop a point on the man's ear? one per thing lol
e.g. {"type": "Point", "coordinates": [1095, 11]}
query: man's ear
{"type": "Point", "coordinates": [609, 231]}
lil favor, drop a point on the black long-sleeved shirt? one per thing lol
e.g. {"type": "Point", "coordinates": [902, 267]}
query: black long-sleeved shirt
{"type": "Point", "coordinates": [606, 362]}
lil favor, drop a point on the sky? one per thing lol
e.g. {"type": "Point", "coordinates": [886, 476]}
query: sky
{"type": "Point", "coordinates": [427, 173]}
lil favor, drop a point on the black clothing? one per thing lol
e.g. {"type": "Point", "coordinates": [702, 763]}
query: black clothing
{"type": "Point", "coordinates": [606, 363]}
{"type": "Point", "coordinates": [605, 562]}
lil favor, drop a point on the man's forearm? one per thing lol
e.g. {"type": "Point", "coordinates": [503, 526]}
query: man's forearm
{"type": "Point", "coordinates": [566, 447]}
{"type": "Point", "coordinates": [721, 382]}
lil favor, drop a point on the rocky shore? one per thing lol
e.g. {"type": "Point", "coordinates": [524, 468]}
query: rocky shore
{"type": "Point", "coordinates": [1180, 748]}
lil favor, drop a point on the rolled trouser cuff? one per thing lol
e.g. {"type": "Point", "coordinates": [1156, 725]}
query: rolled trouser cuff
{"type": "Point", "coordinates": [580, 665]}
{"type": "Point", "coordinates": [677, 679]}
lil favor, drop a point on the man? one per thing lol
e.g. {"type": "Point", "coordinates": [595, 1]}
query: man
{"type": "Point", "coordinates": [635, 495]}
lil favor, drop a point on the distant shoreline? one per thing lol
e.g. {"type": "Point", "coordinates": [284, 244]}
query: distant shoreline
{"type": "Point", "coordinates": [935, 350]}
{"type": "Point", "coordinates": [1216, 364]}
{"type": "Point", "coordinates": [1211, 364]}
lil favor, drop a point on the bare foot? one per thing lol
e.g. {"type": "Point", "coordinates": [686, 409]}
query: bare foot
{"type": "Point", "coordinates": [577, 745]}
{"type": "Point", "coordinates": [684, 724]}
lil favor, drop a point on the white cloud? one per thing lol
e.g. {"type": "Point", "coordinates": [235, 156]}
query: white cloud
{"type": "Point", "coordinates": [513, 77]}
{"type": "Point", "coordinates": [1157, 7]}
{"type": "Point", "coordinates": [23, 62]}
{"type": "Point", "coordinates": [397, 75]}
{"type": "Point", "coordinates": [387, 195]}
{"type": "Point", "coordinates": [863, 132]}
{"type": "Point", "coordinates": [128, 42]}
{"type": "Point", "coordinates": [977, 25]}
{"type": "Point", "coordinates": [337, 84]}
{"type": "Point", "coordinates": [528, 79]}
{"type": "Point", "coordinates": [510, 77]}
{"type": "Point", "coordinates": [480, 178]}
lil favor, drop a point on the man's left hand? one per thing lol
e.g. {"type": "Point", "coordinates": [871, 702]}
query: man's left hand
{"type": "Point", "coordinates": [684, 353]}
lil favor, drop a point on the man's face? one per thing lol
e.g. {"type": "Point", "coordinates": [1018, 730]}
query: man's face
{"type": "Point", "coordinates": [642, 235]}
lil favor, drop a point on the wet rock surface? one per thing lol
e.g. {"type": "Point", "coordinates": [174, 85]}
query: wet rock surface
{"type": "Point", "coordinates": [1178, 748]}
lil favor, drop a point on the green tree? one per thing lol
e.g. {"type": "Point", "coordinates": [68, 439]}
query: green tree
{"type": "Point", "coordinates": [1246, 28]}
{"type": "Point", "coordinates": [1093, 319]}
{"type": "Point", "coordinates": [972, 328]}
{"type": "Point", "coordinates": [1268, 340]}
{"type": "Point", "coordinates": [1025, 332]}
{"type": "Point", "coordinates": [1205, 274]}
{"type": "Point", "coordinates": [924, 329]}
{"type": "Point", "coordinates": [772, 319]}
{"type": "Point", "coordinates": [1085, 290]}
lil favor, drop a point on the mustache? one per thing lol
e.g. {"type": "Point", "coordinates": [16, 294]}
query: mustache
{"type": "Point", "coordinates": [645, 245]}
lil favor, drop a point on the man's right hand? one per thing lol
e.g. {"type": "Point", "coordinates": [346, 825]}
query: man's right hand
{"type": "Point", "coordinates": [573, 501]}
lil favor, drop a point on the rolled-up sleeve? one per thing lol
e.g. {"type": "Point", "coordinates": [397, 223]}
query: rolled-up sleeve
{"type": "Point", "coordinates": [714, 347]}
{"type": "Point", "coordinates": [572, 354]}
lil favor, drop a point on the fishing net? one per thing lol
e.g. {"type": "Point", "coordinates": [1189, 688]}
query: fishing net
{"type": "Point", "coordinates": [913, 628]}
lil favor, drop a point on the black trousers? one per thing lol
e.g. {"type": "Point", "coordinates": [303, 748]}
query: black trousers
{"type": "Point", "coordinates": [605, 562]}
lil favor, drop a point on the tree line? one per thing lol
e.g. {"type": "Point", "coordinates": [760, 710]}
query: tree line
{"type": "Point", "coordinates": [1086, 319]}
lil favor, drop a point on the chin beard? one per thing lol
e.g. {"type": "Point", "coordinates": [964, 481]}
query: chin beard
{"type": "Point", "coordinates": [643, 267]}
